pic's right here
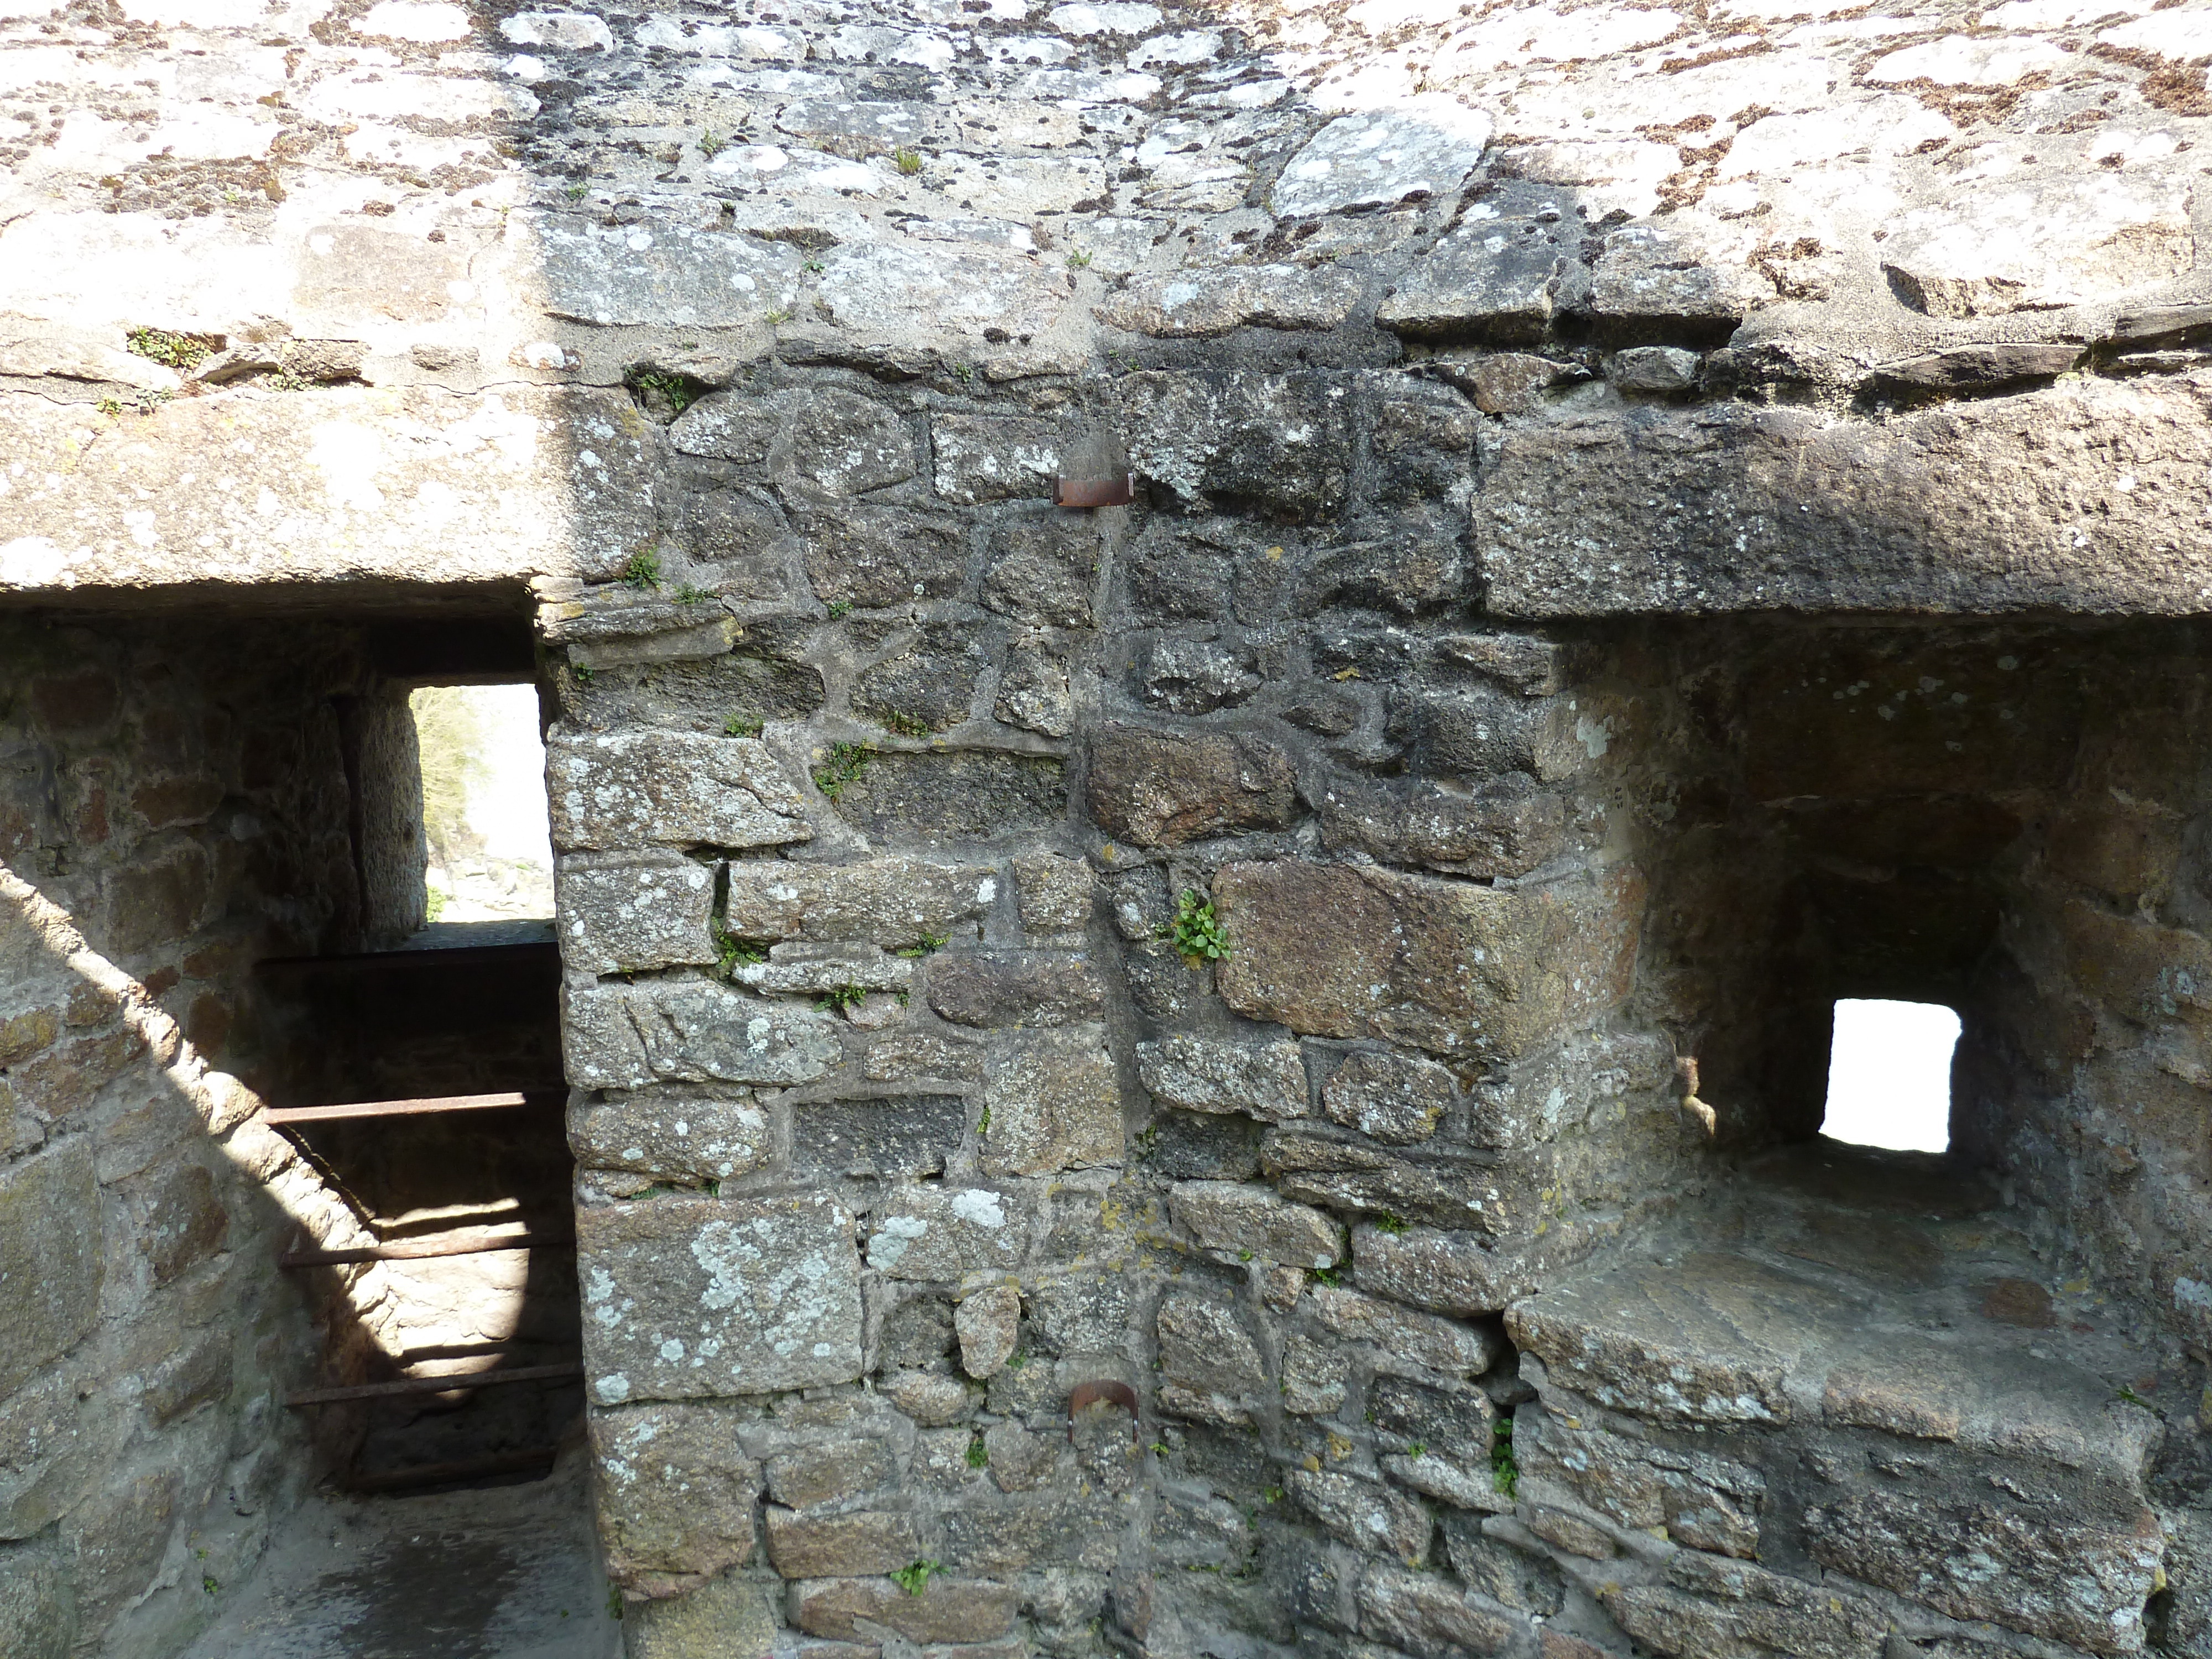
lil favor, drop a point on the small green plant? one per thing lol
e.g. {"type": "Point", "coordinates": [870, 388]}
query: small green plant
{"type": "Point", "coordinates": [842, 998]}
{"type": "Point", "coordinates": [433, 904]}
{"type": "Point", "coordinates": [730, 952]}
{"type": "Point", "coordinates": [1271, 1494]}
{"type": "Point", "coordinates": [847, 762]}
{"type": "Point", "coordinates": [839, 609]}
{"type": "Point", "coordinates": [815, 266]}
{"type": "Point", "coordinates": [964, 372]}
{"type": "Point", "coordinates": [689, 594]}
{"type": "Point", "coordinates": [1244, 1255]}
{"type": "Point", "coordinates": [577, 193]}
{"type": "Point", "coordinates": [906, 725]}
{"type": "Point", "coordinates": [712, 143]}
{"type": "Point", "coordinates": [1196, 930]}
{"type": "Point", "coordinates": [913, 1577]}
{"type": "Point", "coordinates": [1077, 258]}
{"type": "Point", "coordinates": [1017, 1361]}
{"type": "Point", "coordinates": [909, 161]}
{"type": "Point", "coordinates": [112, 407]}
{"type": "Point", "coordinates": [1416, 1449]}
{"type": "Point", "coordinates": [1386, 1223]}
{"type": "Point", "coordinates": [780, 315]}
{"type": "Point", "coordinates": [614, 1604]}
{"type": "Point", "coordinates": [983, 1123]}
{"type": "Point", "coordinates": [927, 946]}
{"type": "Point", "coordinates": [1159, 1448]}
{"type": "Point", "coordinates": [1327, 1276]}
{"type": "Point", "coordinates": [183, 352]}
{"type": "Point", "coordinates": [978, 1453]}
{"type": "Point", "coordinates": [1504, 1472]}
{"type": "Point", "coordinates": [742, 726]}
{"type": "Point", "coordinates": [714, 1188]}
{"type": "Point", "coordinates": [208, 1585]}
{"type": "Point", "coordinates": [2132, 1397]}
{"type": "Point", "coordinates": [662, 393]}
{"type": "Point", "coordinates": [643, 570]}
{"type": "Point", "coordinates": [584, 672]}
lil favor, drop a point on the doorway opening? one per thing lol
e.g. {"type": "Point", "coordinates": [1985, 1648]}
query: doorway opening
{"type": "Point", "coordinates": [1889, 1075]}
{"type": "Point", "coordinates": [483, 764]}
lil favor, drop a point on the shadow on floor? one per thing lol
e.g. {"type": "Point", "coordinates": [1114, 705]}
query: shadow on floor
{"type": "Point", "coordinates": [503, 1572]}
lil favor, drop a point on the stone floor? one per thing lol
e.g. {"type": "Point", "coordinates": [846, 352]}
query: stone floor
{"type": "Point", "coordinates": [499, 1572]}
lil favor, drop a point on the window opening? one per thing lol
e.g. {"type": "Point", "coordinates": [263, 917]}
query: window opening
{"type": "Point", "coordinates": [483, 802]}
{"type": "Point", "coordinates": [1889, 1075]}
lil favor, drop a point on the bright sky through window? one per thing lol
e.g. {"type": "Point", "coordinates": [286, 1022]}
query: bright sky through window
{"type": "Point", "coordinates": [1889, 1075]}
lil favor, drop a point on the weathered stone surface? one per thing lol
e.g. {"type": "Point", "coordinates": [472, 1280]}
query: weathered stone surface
{"type": "Point", "coordinates": [1429, 1616]}
{"type": "Point", "coordinates": [1708, 1503]}
{"type": "Point", "coordinates": [2080, 1582]}
{"type": "Point", "coordinates": [1366, 1516]}
{"type": "Point", "coordinates": [905, 1136]}
{"type": "Point", "coordinates": [1733, 1610]}
{"type": "Point", "coordinates": [1253, 1222]}
{"type": "Point", "coordinates": [1401, 1336]}
{"type": "Point", "coordinates": [800, 968]}
{"type": "Point", "coordinates": [1316, 1377]}
{"type": "Point", "coordinates": [680, 277]}
{"type": "Point", "coordinates": [1659, 369]}
{"type": "Point", "coordinates": [1164, 788]}
{"type": "Point", "coordinates": [1498, 278]}
{"type": "Point", "coordinates": [926, 1232]}
{"type": "Point", "coordinates": [36, 1618]}
{"type": "Point", "coordinates": [892, 902]}
{"type": "Point", "coordinates": [1021, 1534]}
{"type": "Point", "coordinates": [829, 1472]}
{"type": "Point", "coordinates": [932, 1399]}
{"type": "Point", "coordinates": [1390, 1098]}
{"type": "Point", "coordinates": [839, 1546]}
{"type": "Point", "coordinates": [946, 1610]}
{"type": "Point", "coordinates": [1210, 1367]}
{"type": "Point", "coordinates": [843, 444]}
{"type": "Point", "coordinates": [727, 1615]}
{"type": "Point", "coordinates": [51, 1258]}
{"type": "Point", "coordinates": [1448, 1272]}
{"type": "Point", "coordinates": [1044, 569]}
{"type": "Point", "coordinates": [689, 1296]}
{"type": "Point", "coordinates": [1026, 987]}
{"type": "Point", "coordinates": [1054, 894]}
{"type": "Point", "coordinates": [1708, 1341]}
{"type": "Point", "coordinates": [1033, 694]}
{"type": "Point", "coordinates": [678, 1135]}
{"type": "Point", "coordinates": [1850, 517]}
{"type": "Point", "coordinates": [640, 913]}
{"type": "Point", "coordinates": [958, 795]}
{"type": "Point", "coordinates": [1053, 1101]}
{"type": "Point", "coordinates": [988, 1324]}
{"type": "Point", "coordinates": [859, 554]}
{"type": "Point", "coordinates": [1264, 1080]}
{"type": "Point", "coordinates": [624, 1037]}
{"type": "Point", "coordinates": [1348, 1175]}
{"type": "Point", "coordinates": [627, 789]}
{"type": "Point", "coordinates": [1338, 951]}
{"type": "Point", "coordinates": [1274, 442]}
{"type": "Point", "coordinates": [990, 457]}
{"type": "Point", "coordinates": [1198, 303]}
{"type": "Point", "coordinates": [930, 684]}
{"type": "Point", "coordinates": [1422, 148]}
{"type": "Point", "coordinates": [676, 1492]}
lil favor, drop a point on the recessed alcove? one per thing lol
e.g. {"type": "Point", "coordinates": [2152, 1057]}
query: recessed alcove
{"type": "Point", "coordinates": [2003, 819]}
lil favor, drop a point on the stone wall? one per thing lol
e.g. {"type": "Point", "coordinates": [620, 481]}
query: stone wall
{"type": "Point", "coordinates": [1248, 948]}
{"type": "Point", "coordinates": [173, 807]}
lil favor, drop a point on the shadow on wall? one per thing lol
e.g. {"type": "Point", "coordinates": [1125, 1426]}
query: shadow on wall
{"type": "Point", "coordinates": [180, 796]}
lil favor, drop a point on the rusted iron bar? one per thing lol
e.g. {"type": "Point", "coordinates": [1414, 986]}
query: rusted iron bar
{"type": "Point", "coordinates": [411, 1107]}
{"type": "Point", "coordinates": [434, 1384]}
{"type": "Point", "coordinates": [423, 1249]}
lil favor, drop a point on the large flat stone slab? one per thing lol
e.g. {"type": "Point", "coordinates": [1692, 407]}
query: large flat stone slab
{"type": "Point", "coordinates": [686, 1297]}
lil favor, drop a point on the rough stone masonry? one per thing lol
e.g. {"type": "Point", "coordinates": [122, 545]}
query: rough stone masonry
{"type": "Point", "coordinates": [1647, 521]}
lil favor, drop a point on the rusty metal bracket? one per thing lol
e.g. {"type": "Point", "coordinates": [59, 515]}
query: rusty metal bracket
{"type": "Point", "coordinates": [1091, 1394]}
{"type": "Point", "coordinates": [1095, 492]}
